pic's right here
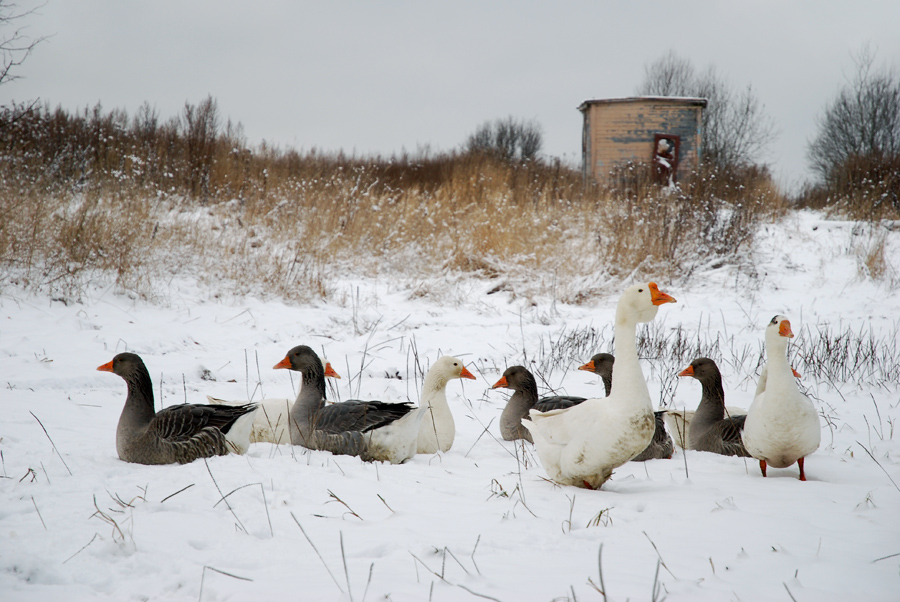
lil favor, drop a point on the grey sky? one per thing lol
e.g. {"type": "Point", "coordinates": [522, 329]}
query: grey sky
{"type": "Point", "coordinates": [381, 77]}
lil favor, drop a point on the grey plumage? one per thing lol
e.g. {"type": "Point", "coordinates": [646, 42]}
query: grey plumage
{"type": "Point", "coordinates": [177, 434]}
{"type": "Point", "coordinates": [711, 429]}
{"type": "Point", "coordinates": [342, 428]}
{"type": "Point", "coordinates": [524, 399]}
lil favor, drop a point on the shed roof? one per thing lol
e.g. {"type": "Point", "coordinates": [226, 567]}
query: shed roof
{"type": "Point", "coordinates": [681, 100]}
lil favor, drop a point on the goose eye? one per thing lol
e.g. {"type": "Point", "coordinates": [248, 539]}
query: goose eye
{"type": "Point", "coordinates": [640, 290]}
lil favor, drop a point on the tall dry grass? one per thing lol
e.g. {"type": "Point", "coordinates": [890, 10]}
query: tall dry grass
{"type": "Point", "coordinates": [863, 187]}
{"type": "Point", "coordinates": [98, 195]}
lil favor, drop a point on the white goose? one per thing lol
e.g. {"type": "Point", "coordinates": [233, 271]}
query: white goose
{"type": "Point", "coordinates": [271, 422]}
{"type": "Point", "coordinates": [437, 430]}
{"type": "Point", "coordinates": [782, 426]}
{"type": "Point", "coordinates": [582, 445]}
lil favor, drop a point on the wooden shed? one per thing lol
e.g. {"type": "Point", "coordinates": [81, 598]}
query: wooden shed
{"type": "Point", "coordinates": [659, 130]}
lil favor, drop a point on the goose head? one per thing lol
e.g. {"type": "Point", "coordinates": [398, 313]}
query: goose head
{"type": "Point", "coordinates": [515, 378]}
{"type": "Point", "coordinates": [304, 360]}
{"type": "Point", "coordinates": [125, 365]}
{"type": "Point", "coordinates": [778, 332]}
{"type": "Point", "coordinates": [600, 364]}
{"type": "Point", "coordinates": [640, 303]}
{"type": "Point", "coordinates": [702, 369]}
{"type": "Point", "coordinates": [446, 368]}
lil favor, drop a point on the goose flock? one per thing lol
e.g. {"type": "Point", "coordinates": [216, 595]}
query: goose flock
{"type": "Point", "coordinates": [579, 441]}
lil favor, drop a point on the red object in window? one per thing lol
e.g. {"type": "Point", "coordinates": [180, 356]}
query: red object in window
{"type": "Point", "coordinates": [665, 158]}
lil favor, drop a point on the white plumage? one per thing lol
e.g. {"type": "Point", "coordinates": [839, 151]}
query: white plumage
{"type": "Point", "coordinates": [582, 445]}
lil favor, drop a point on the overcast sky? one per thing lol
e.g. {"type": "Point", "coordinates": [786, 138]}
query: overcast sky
{"type": "Point", "coordinates": [383, 77]}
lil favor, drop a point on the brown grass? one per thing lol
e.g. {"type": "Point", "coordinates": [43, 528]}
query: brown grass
{"type": "Point", "coordinates": [98, 195]}
{"type": "Point", "coordinates": [863, 188]}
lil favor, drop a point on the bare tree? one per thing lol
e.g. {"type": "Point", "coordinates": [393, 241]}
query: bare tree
{"type": "Point", "coordinates": [508, 138]}
{"type": "Point", "coordinates": [670, 75]}
{"type": "Point", "coordinates": [201, 130]}
{"type": "Point", "coordinates": [15, 44]}
{"type": "Point", "coordinates": [862, 121]}
{"type": "Point", "coordinates": [735, 128]}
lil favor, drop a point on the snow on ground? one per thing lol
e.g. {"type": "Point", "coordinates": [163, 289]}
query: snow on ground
{"type": "Point", "coordinates": [480, 521]}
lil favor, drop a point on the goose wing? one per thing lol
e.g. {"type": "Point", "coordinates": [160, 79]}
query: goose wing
{"type": "Point", "coordinates": [362, 416]}
{"type": "Point", "coordinates": [182, 422]}
{"type": "Point", "coordinates": [557, 402]}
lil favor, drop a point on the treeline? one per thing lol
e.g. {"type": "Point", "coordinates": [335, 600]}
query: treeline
{"type": "Point", "coordinates": [197, 156]}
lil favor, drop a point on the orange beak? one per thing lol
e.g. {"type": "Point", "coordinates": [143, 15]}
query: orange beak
{"type": "Point", "coordinates": [107, 367]}
{"type": "Point", "coordinates": [329, 371]}
{"type": "Point", "coordinates": [796, 374]}
{"type": "Point", "coordinates": [501, 383]}
{"type": "Point", "coordinates": [588, 366]}
{"type": "Point", "coordinates": [466, 374]}
{"type": "Point", "coordinates": [689, 371]}
{"type": "Point", "coordinates": [658, 297]}
{"type": "Point", "coordinates": [784, 329]}
{"type": "Point", "coordinates": [285, 363]}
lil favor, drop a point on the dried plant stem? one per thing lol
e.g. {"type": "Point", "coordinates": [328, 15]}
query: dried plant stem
{"type": "Point", "coordinates": [368, 581]}
{"type": "Point", "coordinates": [661, 561]}
{"type": "Point", "coordinates": [316, 550]}
{"type": "Point", "coordinates": [82, 549]}
{"type": "Point", "coordinates": [879, 465]}
{"type": "Point", "coordinates": [602, 587]}
{"type": "Point", "coordinates": [39, 513]}
{"type": "Point", "coordinates": [344, 560]}
{"type": "Point", "coordinates": [51, 442]}
{"type": "Point", "coordinates": [176, 493]}
{"type": "Point", "coordinates": [230, 509]}
{"type": "Point", "coordinates": [203, 577]}
{"type": "Point", "coordinates": [350, 510]}
{"type": "Point", "coordinates": [459, 585]}
{"type": "Point", "coordinates": [472, 555]}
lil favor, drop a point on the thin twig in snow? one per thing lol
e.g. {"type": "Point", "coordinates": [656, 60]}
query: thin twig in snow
{"type": "Point", "coordinates": [384, 502]}
{"type": "Point", "coordinates": [82, 549]}
{"type": "Point", "coordinates": [602, 588]}
{"type": "Point", "coordinates": [453, 556]}
{"type": "Point", "coordinates": [344, 560]}
{"type": "Point", "coordinates": [368, 581]}
{"type": "Point", "coordinates": [223, 497]}
{"type": "Point", "coordinates": [316, 550]}
{"type": "Point", "coordinates": [39, 514]}
{"type": "Point", "coordinates": [441, 577]}
{"type": "Point", "coordinates": [879, 465]}
{"type": "Point", "coordinates": [472, 555]}
{"type": "Point", "coordinates": [176, 493]}
{"type": "Point", "coordinates": [203, 577]}
{"type": "Point", "coordinates": [656, 584]}
{"type": "Point", "coordinates": [661, 561]}
{"type": "Point", "coordinates": [788, 591]}
{"type": "Point", "coordinates": [51, 442]}
{"type": "Point", "coordinates": [334, 497]}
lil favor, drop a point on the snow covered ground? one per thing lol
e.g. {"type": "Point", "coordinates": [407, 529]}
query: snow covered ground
{"type": "Point", "coordinates": [480, 521]}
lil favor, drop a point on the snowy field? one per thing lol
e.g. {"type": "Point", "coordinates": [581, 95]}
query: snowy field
{"type": "Point", "coordinates": [480, 521]}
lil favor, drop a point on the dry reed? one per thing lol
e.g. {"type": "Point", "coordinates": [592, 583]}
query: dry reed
{"type": "Point", "coordinates": [98, 196]}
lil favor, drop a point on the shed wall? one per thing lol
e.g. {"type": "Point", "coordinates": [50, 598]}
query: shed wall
{"type": "Point", "coordinates": [619, 132]}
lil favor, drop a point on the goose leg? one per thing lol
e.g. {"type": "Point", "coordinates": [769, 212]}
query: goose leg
{"type": "Point", "coordinates": [802, 474]}
{"type": "Point", "coordinates": [586, 484]}
{"type": "Point", "coordinates": [762, 466]}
